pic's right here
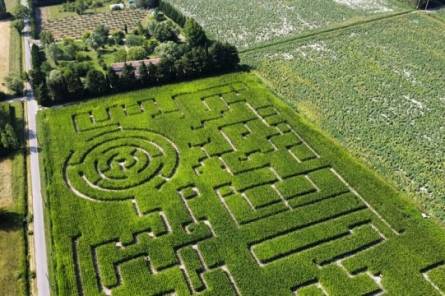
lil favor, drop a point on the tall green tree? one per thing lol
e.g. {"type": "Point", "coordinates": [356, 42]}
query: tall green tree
{"type": "Point", "coordinates": [195, 33]}
{"type": "Point", "coordinates": [96, 82]}
{"type": "Point", "coordinates": [3, 12]}
{"type": "Point", "coordinates": [223, 56]}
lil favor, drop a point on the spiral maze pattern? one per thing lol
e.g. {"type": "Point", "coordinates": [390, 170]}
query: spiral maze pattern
{"type": "Point", "coordinates": [113, 166]}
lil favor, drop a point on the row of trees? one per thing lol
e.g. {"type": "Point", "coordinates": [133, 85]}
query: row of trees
{"type": "Point", "coordinates": [177, 62]}
{"type": "Point", "coordinates": [3, 12]}
{"type": "Point", "coordinates": [55, 82]}
{"type": "Point", "coordinates": [9, 141]}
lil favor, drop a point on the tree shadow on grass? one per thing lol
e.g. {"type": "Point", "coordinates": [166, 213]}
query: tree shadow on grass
{"type": "Point", "coordinates": [10, 221]}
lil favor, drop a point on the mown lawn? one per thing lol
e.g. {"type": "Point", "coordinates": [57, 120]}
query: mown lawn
{"type": "Point", "coordinates": [216, 186]}
{"type": "Point", "coordinates": [378, 89]}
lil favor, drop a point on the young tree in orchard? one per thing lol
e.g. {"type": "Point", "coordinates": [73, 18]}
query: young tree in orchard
{"type": "Point", "coordinates": [99, 38]}
{"type": "Point", "coordinates": [195, 33]}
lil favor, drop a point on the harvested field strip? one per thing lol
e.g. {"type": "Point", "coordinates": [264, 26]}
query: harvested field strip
{"type": "Point", "coordinates": [214, 187]}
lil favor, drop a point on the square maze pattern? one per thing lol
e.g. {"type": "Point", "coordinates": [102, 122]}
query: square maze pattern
{"type": "Point", "coordinates": [227, 198]}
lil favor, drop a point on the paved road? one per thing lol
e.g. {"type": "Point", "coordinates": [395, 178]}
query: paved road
{"type": "Point", "coordinates": [42, 277]}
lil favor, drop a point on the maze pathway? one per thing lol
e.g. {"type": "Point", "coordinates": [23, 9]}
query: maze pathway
{"type": "Point", "coordinates": [222, 191]}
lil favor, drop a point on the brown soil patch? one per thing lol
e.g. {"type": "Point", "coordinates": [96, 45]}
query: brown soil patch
{"type": "Point", "coordinates": [5, 35]}
{"type": "Point", "coordinates": [6, 199]}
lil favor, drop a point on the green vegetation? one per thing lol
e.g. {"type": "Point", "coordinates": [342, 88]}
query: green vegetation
{"type": "Point", "coordinates": [9, 141]}
{"type": "Point", "coordinates": [154, 53]}
{"type": "Point", "coordinates": [3, 11]}
{"type": "Point", "coordinates": [13, 211]}
{"type": "Point", "coordinates": [216, 187]}
{"type": "Point", "coordinates": [246, 23]}
{"type": "Point", "coordinates": [378, 89]}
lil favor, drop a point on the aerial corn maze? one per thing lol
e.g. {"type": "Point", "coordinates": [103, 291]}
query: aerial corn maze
{"type": "Point", "coordinates": [215, 187]}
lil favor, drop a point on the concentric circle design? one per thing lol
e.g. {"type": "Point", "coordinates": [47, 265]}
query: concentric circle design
{"type": "Point", "coordinates": [114, 165]}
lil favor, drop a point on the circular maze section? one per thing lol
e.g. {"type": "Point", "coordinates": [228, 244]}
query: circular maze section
{"type": "Point", "coordinates": [115, 165]}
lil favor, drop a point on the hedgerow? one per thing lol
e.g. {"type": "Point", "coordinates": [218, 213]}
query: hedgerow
{"type": "Point", "coordinates": [154, 192]}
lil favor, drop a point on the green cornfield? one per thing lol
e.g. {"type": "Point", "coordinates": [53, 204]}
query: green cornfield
{"type": "Point", "coordinates": [216, 187]}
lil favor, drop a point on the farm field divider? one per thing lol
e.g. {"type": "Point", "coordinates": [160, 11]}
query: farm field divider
{"type": "Point", "coordinates": [323, 32]}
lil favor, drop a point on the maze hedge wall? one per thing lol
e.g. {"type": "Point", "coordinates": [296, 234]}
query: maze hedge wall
{"type": "Point", "coordinates": [215, 187]}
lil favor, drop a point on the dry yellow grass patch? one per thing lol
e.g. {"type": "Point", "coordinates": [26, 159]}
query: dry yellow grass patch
{"type": "Point", "coordinates": [6, 199]}
{"type": "Point", "coordinates": [5, 34]}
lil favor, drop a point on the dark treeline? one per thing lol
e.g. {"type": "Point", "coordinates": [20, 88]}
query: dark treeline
{"type": "Point", "coordinates": [9, 141]}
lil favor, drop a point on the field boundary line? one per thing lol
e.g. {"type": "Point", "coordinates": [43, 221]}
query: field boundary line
{"type": "Point", "coordinates": [323, 32]}
{"type": "Point", "coordinates": [433, 16]}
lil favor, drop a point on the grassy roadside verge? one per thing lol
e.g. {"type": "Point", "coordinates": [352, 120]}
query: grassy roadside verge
{"type": "Point", "coordinates": [14, 246]}
{"type": "Point", "coordinates": [15, 44]}
{"type": "Point", "coordinates": [45, 174]}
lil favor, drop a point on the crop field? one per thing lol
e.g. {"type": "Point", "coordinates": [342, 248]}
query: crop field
{"type": "Point", "coordinates": [13, 210]}
{"type": "Point", "coordinates": [246, 23]}
{"type": "Point", "coordinates": [4, 54]}
{"type": "Point", "coordinates": [76, 26]}
{"type": "Point", "coordinates": [215, 187]}
{"type": "Point", "coordinates": [380, 90]}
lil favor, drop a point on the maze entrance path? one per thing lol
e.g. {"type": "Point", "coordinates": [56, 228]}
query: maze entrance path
{"type": "Point", "coordinates": [215, 188]}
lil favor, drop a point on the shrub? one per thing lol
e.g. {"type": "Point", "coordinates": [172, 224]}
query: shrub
{"type": "Point", "coordinates": [150, 46]}
{"type": "Point", "coordinates": [164, 31]}
{"type": "Point", "coordinates": [134, 40]}
{"type": "Point", "coordinates": [137, 53]}
{"type": "Point", "coordinates": [120, 56]}
{"type": "Point", "coordinates": [82, 56]}
{"type": "Point", "coordinates": [15, 84]}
